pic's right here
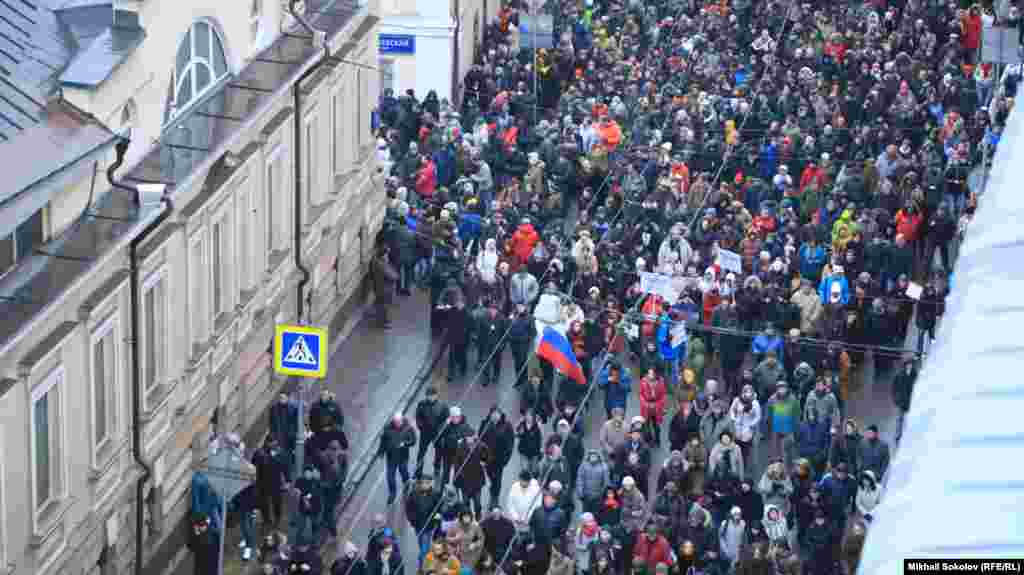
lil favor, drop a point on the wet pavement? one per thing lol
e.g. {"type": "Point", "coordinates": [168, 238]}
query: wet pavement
{"type": "Point", "coordinates": [373, 371]}
{"type": "Point", "coordinates": [871, 403]}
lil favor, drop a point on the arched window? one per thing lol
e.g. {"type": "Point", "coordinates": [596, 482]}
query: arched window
{"type": "Point", "coordinates": [199, 64]}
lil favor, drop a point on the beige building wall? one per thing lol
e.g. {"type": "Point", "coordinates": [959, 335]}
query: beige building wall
{"type": "Point", "coordinates": [206, 359]}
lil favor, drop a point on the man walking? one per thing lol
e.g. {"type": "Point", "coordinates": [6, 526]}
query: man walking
{"type": "Point", "coordinates": [395, 442]}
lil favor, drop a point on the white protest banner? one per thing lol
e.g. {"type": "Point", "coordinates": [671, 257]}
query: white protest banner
{"type": "Point", "coordinates": [730, 261]}
{"type": "Point", "coordinates": [660, 285]}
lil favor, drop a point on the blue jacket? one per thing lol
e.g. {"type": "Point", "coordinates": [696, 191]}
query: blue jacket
{"type": "Point", "coordinates": [813, 439]}
{"type": "Point", "coordinates": [825, 288]}
{"type": "Point", "coordinates": [769, 161]}
{"type": "Point", "coordinates": [205, 499]}
{"type": "Point", "coordinates": [669, 353]}
{"type": "Point", "coordinates": [763, 344]}
{"type": "Point", "coordinates": [616, 395]}
{"type": "Point", "coordinates": [811, 261]}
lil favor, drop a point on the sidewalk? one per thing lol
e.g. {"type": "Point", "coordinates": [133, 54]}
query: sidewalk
{"type": "Point", "coordinates": [370, 372]}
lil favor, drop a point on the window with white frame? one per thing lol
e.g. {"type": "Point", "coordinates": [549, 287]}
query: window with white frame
{"type": "Point", "coordinates": [352, 115]}
{"type": "Point", "coordinates": [20, 244]}
{"type": "Point", "coordinates": [341, 134]}
{"type": "Point", "coordinates": [106, 374]}
{"type": "Point", "coordinates": [155, 337]}
{"type": "Point", "coordinates": [197, 279]}
{"type": "Point", "coordinates": [47, 440]}
{"type": "Point", "coordinates": [221, 265]}
{"type": "Point", "coordinates": [243, 241]}
{"type": "Point", "coordinates": [199, 64]}
{"type": "Point", "coordinates": [274, 191]}
{"type": "Point", "coordinates": [312, 151]}
{"type": "Point", "coordinates": [362, 110]}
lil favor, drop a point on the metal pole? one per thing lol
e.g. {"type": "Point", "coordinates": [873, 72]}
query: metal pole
{"type": "Point", "coordinates": [536, 68]}
{"type": "Point", "coordinates": [223, 535]}
{"type": "Point", "coordinates": [300, 438]}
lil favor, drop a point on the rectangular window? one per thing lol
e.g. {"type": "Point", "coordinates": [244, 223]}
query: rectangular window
{"type": "Point", "coordinates": [216, 271]}
{"type": "Point", "coordinates": [105, 372]}
{"type": "Point", "coordinates": [47, 446]}
{"type": "Point", "coordinates": [362, 111]}
{"type": "Point", "coordinates": [155, 338]}
{"type": "Point", "coordinates": [335, 141]}
{"type": "Point", "coordinates": [28, 236]}
{"type": "Point", "coordinates": [311, 152]}
{"type": "Point", "coordinates": [353, 117]}
{"type": "Point", "coordinates": [197, 311]}
{"type": "Point", "coordinates": [274, 187]}
{"type": "Point", "coordinates": [243, 241]}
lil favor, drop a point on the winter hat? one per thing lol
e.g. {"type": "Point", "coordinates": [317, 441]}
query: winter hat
{"type": "Point", "coordinates": [735, 510]}
{"type": "Point", "coordinates": [455, 411]}
{"type": "Point", "coordinates": [628, 481]}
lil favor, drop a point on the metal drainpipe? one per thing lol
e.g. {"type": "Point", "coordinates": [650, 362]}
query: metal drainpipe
{"type": "Point", "coordinates": [297, 157]}
{"type": "Point", "coordinates": [300, 440]}
{"type": "Point", "coordinates": [456, 57]}
{"type": "Point", "coordinates": [168, 207]}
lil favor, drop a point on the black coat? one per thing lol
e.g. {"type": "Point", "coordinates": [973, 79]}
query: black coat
{"type": "Point", "coordinates": [500, 440]}
{"type": "Point", "coordinates": [206, 548]}
{"type": "Point", "coordinates": [395, 442]}
{"type": "Point", "coordinates": [430, 418]}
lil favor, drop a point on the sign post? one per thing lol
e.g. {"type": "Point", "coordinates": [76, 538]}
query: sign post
{"type": "Point", "coordinates": [229, 473]}
{"type": "Point", "coordinates": [300, 351]}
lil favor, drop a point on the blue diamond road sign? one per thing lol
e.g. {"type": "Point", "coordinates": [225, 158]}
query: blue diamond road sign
{"type": "Point", "coordinates": [300, 350]}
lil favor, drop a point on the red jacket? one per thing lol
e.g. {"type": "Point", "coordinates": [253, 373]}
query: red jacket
{"type": "Point", "coordinates": [971, 38]}
{"type": "Point", "coordinates": [652, 552]}
{"type": "Point", "coordinates": [523, 242]}
{"type": "Point", "coordinates": [908, 225]}
{"type": "Point", "coordinates": [652, 398]}
{"type": "Point", "coordinates": [426, 180]}
{"type": "Point", "coordinates": [813, 175]}
{"type": "Point", "coordinates": [836, 51]}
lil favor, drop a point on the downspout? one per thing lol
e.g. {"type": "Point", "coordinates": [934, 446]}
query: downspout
{"type": "Point", "coordinates": [140, 485]}
{"type": "Point", "coordinates": [297, 157]}
{"type": "Point", "coordinates": [456, 57]}
{"type": "Point", "coordinates": [121, 148]}
{"type": "Point", "coordinates": [300, 301]}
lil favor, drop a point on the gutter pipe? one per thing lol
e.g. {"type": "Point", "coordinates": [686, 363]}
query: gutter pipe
{"type": "Point", "coordinates": [140, 484]}
{"type": "Point", "coordinates": [297, 156]}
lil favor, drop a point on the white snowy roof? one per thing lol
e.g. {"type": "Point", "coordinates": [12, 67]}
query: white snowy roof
{"type": "Point", "coordinates": [956, 484]}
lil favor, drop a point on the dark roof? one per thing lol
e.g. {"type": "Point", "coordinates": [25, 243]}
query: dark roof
{"type": "Point", "coordinates": [34, 48]}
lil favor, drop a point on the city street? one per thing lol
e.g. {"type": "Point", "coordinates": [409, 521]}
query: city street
{"type": "Point", "coordinates": [871, 404]}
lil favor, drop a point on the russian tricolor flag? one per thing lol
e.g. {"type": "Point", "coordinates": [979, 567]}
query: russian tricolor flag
{"type": "Point", "coordinates": [556, 349]}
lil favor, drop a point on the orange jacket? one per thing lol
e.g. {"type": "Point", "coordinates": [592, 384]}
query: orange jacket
{"type": "Point", "coordinates": [611, 135]}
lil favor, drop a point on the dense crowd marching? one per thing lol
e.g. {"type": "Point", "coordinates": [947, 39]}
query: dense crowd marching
{"type": "Point", "coordinates": [829, 145]}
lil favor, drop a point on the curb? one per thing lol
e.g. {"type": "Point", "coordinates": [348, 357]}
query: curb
{"type": "Point", "coordinates": [361, 468]}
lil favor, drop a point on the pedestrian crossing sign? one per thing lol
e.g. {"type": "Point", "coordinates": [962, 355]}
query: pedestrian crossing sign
{"type": "Point", "coordinates": [300, 350]}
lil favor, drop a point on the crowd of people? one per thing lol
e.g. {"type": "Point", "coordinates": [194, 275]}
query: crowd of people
{"type": "Point", "coordinates": [796, 172]}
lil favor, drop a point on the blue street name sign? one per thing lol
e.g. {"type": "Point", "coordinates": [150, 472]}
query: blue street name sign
{"type": "Point", "coordinates": [396, 44]}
